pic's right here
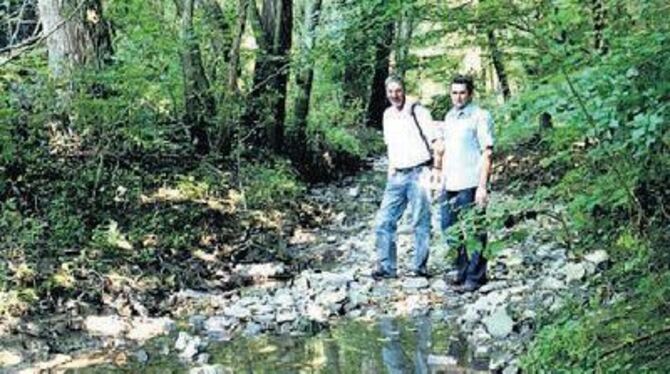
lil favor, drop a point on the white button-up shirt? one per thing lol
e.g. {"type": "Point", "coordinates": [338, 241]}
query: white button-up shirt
{"type": "Point", "coordinates": [467, 132]}
{"type": "Point", "coordinates": [405, 146]}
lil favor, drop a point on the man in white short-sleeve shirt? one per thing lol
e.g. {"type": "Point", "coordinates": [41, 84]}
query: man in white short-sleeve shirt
{"type": "Point", "coordinates": [466, 166]}
{"type": "Point", "coordinates": [409, 135]}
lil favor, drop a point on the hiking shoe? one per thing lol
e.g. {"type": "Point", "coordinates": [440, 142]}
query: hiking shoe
{"type": "Point", "coordinates": [468, 287]}
{"type": "Point", "coordinates": [419, 274]}
{"type": "Point", "coordinates": [456, 280]}
{"type": "Point", "coordinates": [381, 274]}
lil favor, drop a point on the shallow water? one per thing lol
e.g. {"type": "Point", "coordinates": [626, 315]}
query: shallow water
{"type": "Point", "coordinates": [385, 346]}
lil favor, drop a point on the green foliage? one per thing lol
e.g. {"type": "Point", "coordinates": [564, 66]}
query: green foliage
{"type": "Point", "coordinates": [269, 183]}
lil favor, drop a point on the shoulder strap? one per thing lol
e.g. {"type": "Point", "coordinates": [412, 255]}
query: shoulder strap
{"type": "Point", "coordinates": [416, 122]}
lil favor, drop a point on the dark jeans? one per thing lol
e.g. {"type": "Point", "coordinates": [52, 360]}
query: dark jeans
{"type": "Point", "coordinates": [452, 203]}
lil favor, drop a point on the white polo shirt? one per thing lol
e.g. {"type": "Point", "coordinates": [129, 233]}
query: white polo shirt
{"type": "Point", "coordinates": [467, 132]}
{"type": "Point", "coordinates": [401, 135]}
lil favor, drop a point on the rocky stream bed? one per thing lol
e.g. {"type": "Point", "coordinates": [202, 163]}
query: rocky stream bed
{"type": "Point", "coordinates": [528, 278]}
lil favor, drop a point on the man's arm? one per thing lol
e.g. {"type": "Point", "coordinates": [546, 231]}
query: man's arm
{"type": "Point", "coordinates": [485, 139]}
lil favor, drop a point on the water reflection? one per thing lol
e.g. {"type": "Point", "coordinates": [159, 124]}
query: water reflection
{"type": "Point", "coordinates": [387, 346]}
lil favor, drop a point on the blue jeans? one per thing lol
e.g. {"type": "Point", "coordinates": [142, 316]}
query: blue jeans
{"type": "Point", "coordinates": [404, 187]}
{"type": "Point", "coordinates": [452, 203]}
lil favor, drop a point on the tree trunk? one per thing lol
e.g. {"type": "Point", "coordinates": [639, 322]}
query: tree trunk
{"type": "Point", "coordinates": [599, 12]}
{"type": "Point", "coordinates": [496, 57]}
{"type": "Point", "coordinates": [377, 102]}
{"type": "Point", "coordinates": [304, 78]}
{"type": "Point", "coordinates": [200, 106]}
{"type": "Point", "coordinates": [403, 42]}
{"type": "Point", "coordinates": [222, 42]}
{"type": "Point", "coordinates": [234, 55]}
{"type": "Point", "coordinates": [81, 38]}
{"type": "Point", "coordinates": [273, 34]}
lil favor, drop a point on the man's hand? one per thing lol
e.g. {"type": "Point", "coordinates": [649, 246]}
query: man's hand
{"type": "Point", "coordinates": [436, 179]}
{"type": "Point", "coordinates": [481, 197]}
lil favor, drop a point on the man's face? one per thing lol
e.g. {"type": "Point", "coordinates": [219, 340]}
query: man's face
{"type": "Point", "coordinates": [460, 96]}
{"type": "Point", "coordinates": [395, 94]}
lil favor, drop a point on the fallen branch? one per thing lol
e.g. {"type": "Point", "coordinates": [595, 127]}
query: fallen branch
{"type": "Point", "coordinates": [640, 339]}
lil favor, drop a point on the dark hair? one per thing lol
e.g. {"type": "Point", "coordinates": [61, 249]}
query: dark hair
{"type": "Point", "coordinates": [466, 80]}
{"type": "Point", "coordinates": [394, 79]}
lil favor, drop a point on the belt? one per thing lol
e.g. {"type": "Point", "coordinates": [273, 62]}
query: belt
{"type": "Point", "coordinates": [405, 170]}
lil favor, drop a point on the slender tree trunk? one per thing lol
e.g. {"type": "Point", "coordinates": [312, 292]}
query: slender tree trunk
{"type": "Point", "coordinates": [377, 102]}
{"type": "Point", "coordinates": [304, 78]}
{"type": "Point", "coordinates": [234, 55]}
{"type": "Point", "coordinates": [221, 42]}
{"type": "Point", "coordinates": [217, 19]}
{"type": "Point", "coordinates": [271, 71]}
{"type": "Point", "coordinates": [81, 36]}
{"type": "Point", "coordinates": [599, 13]}
{"type": "Point", "coordinates": [200, 107]}
{"type": "Point", "coordinates": [497, 58]}
{"type": "Point", "coordinates": [403, 42]}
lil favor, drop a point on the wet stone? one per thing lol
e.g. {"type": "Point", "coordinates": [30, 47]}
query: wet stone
{"type": "Point", "coordinates": [499, 324]}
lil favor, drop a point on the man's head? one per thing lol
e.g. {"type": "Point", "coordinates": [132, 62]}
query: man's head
{"type": "Point", "coordinates": [462, 88]}
{"type": "Point", "coordinates": [395, 91]}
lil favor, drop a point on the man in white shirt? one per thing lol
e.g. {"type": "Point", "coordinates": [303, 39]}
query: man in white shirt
{"type": "Point", "coordinates": [468, 143]}
{"type": "Point", "coordinates": [409, 135]}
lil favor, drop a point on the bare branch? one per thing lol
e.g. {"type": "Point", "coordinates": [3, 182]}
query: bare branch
{"type": "Point", "coordinates": [16, 50]}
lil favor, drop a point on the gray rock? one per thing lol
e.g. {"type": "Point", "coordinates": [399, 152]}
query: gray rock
{"type": "Point", "coordinates": [597, 257]}
{"type": "Point", "coordinates": [202, 358]}
{"type": "Point", "coordinates": [141, 356]}
{"type": "Point", "coordinates": [187, 345]}
{"type": "Point", "coordinates": [499, 324]}
{"type": "Point", "coordinates": [573, 272]}
{"type": "Point", "coordinates": [265, 319]}
{"type": "Point", "coordinates": [286, 315]}
{"type": "Point", "coordinates": [511, 369]}
{"type": "Point", "coordinates": [266, 270]}
{"type": "Point", "coordinates": [284, 299]}
{"type": "Point", "coordinates": [354, 191]}
{"type": "Point", "coordinates": [143, 329]}
{"type": "Point", "coordinates": [253, 329]}
{"type": "Point", "coordinates": [332, 300]}
{"type": "Point", "coordinates": [356, 298]}
{"type": "Point", "coordinates": [237, 311]}
{"type": "Point", "coordinates": [441, 360]}
{"type": "Point", "coordinates": [498, 361]}
{"type": "Point", "coordinates": [218, 324]}
{"type": "Point", "coordinates": [470, 317]}
{"type": "Point", "coordinates": [492, 286]}
{"type": "Point", "coordinates": [551, 283]}
{"type": "Point", "coordinates": [333, 279]}
{"type": "Point", "coordinates": [9, 358]}
{"type": "Point", "coordinates": [197, 322]}
{"type": "Point", "coordinates": [439, 286]}
{"type": "Point", "coordinates": [210, 369]}
{"type": "Point", "coordinates": [482, 351]}
{"type": "Point", "coordinates": [415, 283]}
{"type": "Point", "coordinates": [105, 325]}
